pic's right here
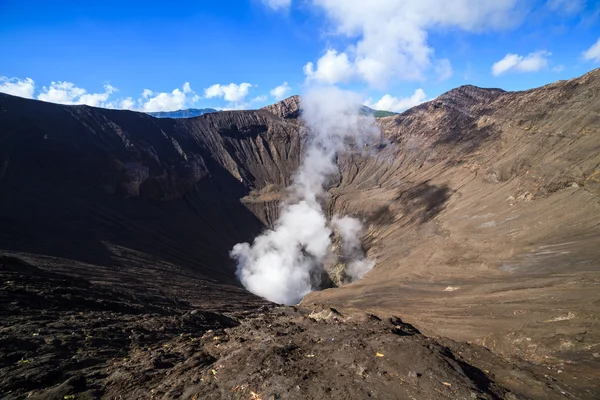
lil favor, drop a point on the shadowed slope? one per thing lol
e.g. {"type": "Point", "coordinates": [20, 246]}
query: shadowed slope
{"type": "Point", "coordinates": [125, 191]}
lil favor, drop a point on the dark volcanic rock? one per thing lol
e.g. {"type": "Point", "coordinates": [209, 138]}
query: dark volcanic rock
{"type": "Point", "coordinates": [112, 188]}
{"type": "Point", "coordinates": [66, 338]}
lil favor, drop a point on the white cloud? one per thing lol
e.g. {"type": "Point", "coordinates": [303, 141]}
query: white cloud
{"type": "Point", "coordinates": [254, 103]}
{"type": "Point", "coordinates": [443, 69]}
{"type": "Point", "coordinates": [176, 100]}
{"type": "Point", "coordinates": [278, 4]}
{"type": "Point", "coordinates": [281, 91]}
{"type": "Point", "coordinates": [593, 53]}
{"type": "Point", "coordinates": [390, 37]}
{"type": "Point", "coordinates": [63, 92]}
{"type": "Point", "coordinates": [17, 87]}
{"type": "Point", "coordinates": [558, 68]}
{"type": "Point", "coordinates": [127, 104]}
{"type": "Point", "coordinates": [146, 93]}
{"type": "Point", "coordinates": [233, 93]}
{"type": "Point", "coordinates": [151, 101]}
{"type": "Point", "coordinates": [513, 62]}
{"type": "Point", "coordinates": [331, 68]}
{"type": "Point", "coordinates": [259, 99]}
{"type": "Point", "coordinates": [97, 99]}
{"type": "Point", "coordinates": [390, 103]}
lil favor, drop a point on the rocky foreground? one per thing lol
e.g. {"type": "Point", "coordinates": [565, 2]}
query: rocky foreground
{"type": "Point", "coordinates": [65, 338]}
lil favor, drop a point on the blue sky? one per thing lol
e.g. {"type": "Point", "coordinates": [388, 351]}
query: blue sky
{"type": "Point", "coordinates": [234, 54]}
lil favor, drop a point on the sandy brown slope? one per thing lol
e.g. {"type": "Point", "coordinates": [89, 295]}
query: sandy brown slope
{"type": "Point", "coordinates": [485, 223]}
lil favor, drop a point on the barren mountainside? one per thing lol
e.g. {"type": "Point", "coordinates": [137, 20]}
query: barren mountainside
{"type": "Point", "coordinates": [482, 211]}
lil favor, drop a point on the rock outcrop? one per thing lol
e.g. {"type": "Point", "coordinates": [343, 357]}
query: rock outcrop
{"type": "Point", "coordinates": [288, 108]}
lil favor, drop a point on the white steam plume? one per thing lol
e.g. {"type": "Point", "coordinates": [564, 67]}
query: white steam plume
{"type": "Point", "coordinates": [350, 230]}
{"type": "Point", "coordinates": [285, 263]}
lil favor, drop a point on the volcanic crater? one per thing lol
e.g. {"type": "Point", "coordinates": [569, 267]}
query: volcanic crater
{"type": "Point", "coordinates": [482, 212]}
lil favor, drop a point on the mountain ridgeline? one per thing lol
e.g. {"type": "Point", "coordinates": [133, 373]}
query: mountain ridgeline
{"type": "Point", "coordinates": [196, 112]}
{"type": "Point", "coordinates": [187, 113]}
{"type": "Point", "coordinates": [482, 213]}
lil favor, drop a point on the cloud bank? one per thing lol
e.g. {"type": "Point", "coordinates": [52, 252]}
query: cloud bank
{"type": "Point", "coordinates": [389, 38]}
{"type": "Point", "coordinates": [63, 92]}
{"type": "Point", "coordinates": [17, 87]}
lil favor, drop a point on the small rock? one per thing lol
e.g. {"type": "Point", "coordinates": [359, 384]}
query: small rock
{"type": "Point", "coordinates": [373, 317]}
{"type": "Point", "coordinates": [451, 288]}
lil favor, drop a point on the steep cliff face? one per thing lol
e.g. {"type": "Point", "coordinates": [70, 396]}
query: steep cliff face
{"type": "Point", "coordinates": [482, 211]}
{"type": "Point", "coordinates": [99, 186]}
{"type": "Point", "coordinates": [132, 154]}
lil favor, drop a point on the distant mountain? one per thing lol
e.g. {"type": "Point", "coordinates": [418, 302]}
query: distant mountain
{"type": "Point", "coordinates": [290, 108]}
{"type": "Point", "coordinates": [189, 113]}
{"type": "Point", "coordinates": [364, 110]}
